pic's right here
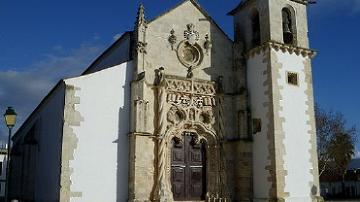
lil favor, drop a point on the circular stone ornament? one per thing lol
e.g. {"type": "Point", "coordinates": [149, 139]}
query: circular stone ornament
{"type": "Point", "coordinates": [190, 55]}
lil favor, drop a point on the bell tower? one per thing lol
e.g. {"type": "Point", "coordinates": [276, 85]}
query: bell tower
{"type": "Point", "coordinates": [271, 37]}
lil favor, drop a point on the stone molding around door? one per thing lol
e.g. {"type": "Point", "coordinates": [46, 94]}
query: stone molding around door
{"type": "Point", "coordinates": [188, 105]}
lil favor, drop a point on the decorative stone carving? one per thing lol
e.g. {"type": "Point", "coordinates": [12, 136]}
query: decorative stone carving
{"type": "Point", "coordinates": [191, 35]}
{"type": "Point", "coordinates": [140, 18]}
{"type": "Point", "coordinates": [141, 47]}
{"type": "Point", "coordinates": [305, 52]}
{"type": "Point", "coordinates": [207, 117]}
{"type": "Point", "coordinates": [185, 100]}
{"type": "Point", "coordinates": [190, 86]}
{"type": "Point", "coordinates": [221, 122]}
{"type": "Point", "coordinates": [176, 85]}
{"type": "Point", "coordinates": [159, 76]}
{"type": "Point", "coordinates": [197, 139]}
{"type": "Point", "coordinates": [190, 55]}
{"type": "Point", "coordinates": [164, 193]}
{"type": "Point", "coordinates": [141, 108]}
{"type": "Point", "coordinates": [189, 106]}
{"type": "Point", "coordinates": [207, 43]}
{"type": "Point", "coordinates": [189, 51]}
{"type": "Point", "coordinates": [190, 74]}
{"type": "Point", "coordinates": [175, 116]}
{"type": "Point", "coordinates": [172, 39]}
{"type": "Point", "coordinates": [140, 30]}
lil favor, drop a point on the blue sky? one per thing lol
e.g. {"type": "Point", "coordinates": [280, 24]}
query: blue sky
{"type": "Point", "coordinates": [42, 41]}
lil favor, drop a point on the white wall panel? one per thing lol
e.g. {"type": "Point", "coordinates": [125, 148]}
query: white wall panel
{"type": "Point", "coordinates": [101, 158]}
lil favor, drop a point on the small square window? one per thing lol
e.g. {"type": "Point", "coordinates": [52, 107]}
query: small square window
{"type": "Point", "coordinates": [292, 78]}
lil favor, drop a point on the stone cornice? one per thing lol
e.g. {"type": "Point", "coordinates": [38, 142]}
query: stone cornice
{"type": "Point", "coordinates": [305, 52]}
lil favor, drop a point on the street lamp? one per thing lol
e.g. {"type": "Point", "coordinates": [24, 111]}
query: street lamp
{"type": "Point", "coordinates": [10, 120]}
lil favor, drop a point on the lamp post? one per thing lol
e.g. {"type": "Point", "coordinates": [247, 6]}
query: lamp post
{"type": "Point", "coordinates": [10, 120]}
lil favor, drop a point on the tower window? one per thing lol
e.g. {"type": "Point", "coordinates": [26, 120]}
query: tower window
{"type": "Point", "coordinates": [255, 25]}
{"type": "Point", "coordinates": [288, 29]}
{"type": "Point", "coordinates": [292, 78]}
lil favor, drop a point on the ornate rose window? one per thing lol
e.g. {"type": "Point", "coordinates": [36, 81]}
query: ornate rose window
{"type": "Point", "coordinates": [190, 55]}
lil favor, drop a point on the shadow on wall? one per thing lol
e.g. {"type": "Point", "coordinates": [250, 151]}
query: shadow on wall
{"type": "Point", "coordinates": [219, 72]}
{"type": "Point", "coordinates": [122, 141]}
{"type": "Point", "coordinates": [234, 151]}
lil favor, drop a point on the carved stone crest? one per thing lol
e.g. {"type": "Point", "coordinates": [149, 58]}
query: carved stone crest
{"type": "Point", "coordinates": [191, 35]}
{"type": "Point", "coordinates": [189, 52]}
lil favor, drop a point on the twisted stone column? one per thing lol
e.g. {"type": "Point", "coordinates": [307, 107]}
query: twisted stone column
{"type": "Point", "coordinates": [164, 191]}
{"type": "Point", "coordinates": [221, 125]}
{"type": "Point", "coordinates": [222, 164]}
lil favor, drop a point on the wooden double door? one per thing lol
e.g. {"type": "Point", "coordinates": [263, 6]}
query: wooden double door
{"type": "Point", "coordinates": [188, 168]}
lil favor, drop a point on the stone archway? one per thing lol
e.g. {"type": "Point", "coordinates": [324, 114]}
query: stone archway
{"type": "Point", "coordinates": [214, 182]}
{"type": "Point", "coordinates": [185, 105]}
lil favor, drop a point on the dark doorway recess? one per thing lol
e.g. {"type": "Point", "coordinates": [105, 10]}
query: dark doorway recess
{"type": "Point", "coordinates": [188, 168]}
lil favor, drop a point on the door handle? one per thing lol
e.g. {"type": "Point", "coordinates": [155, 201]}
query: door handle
{"type": "Point", "coordinates": [181, 166]}
{"type": "Point", "coordinates": [196, 166]}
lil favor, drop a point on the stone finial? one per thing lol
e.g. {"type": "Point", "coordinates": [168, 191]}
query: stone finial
{"type": "Point", "coordinates": [140, 19]}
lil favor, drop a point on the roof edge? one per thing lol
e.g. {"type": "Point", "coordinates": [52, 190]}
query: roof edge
{"type": "Point", "coordinates": [38, 107]}
{"type": "Point", "coordinates": [103, 54]}
{"type": "Point", "coordinates": [238, 7]}
{"type": "Point", "coordinates": [198, 6]}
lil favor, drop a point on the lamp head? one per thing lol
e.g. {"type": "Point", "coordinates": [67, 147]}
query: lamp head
{"type": "Point", "coordinates": [10, 117]}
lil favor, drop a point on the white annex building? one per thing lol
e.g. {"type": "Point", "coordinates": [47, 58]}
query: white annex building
{"type": "Point", "coordinates": [177, 111]}
{"type": "Point", "coordinates": [3, 164]}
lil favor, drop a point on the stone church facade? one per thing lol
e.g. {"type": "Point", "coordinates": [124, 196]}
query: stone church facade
{"type": "Point", "coordinates": [206, 118]}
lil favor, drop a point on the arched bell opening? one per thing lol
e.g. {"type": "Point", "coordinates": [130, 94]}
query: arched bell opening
{"type": "Point", "coordinates": [288, 26]}
{"type": "Point", "coordinates": [255, 28]}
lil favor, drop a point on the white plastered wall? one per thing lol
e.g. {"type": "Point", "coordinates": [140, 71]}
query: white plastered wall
{"type": "Point", "coordinates": [100, 165]}
{"type": "Point", "coordinates": [3, 161]}
{"type": "Point", "coordinates": [296, 128]}
{"type": "Point", "coordinates": [256, 79]}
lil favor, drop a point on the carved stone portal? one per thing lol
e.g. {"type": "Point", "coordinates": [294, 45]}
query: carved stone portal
{"type": "Point", "coordinates": [188, 106]}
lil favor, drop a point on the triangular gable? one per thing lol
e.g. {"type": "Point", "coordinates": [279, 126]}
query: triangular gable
{"type": "Point", "coordinates": [203, 11]}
